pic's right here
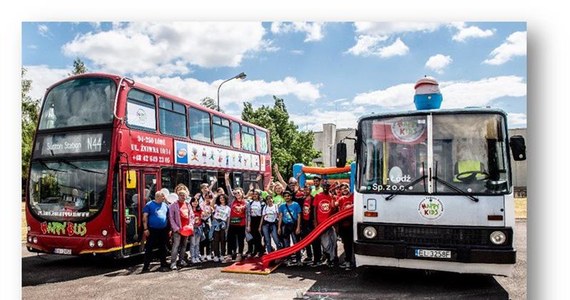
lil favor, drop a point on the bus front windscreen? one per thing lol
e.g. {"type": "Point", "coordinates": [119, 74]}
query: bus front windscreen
{"type": "Point", "coordinates": [62, 190]}
{"type": "Point", "coordinates": [393, 154]}
{"type": "Point", "coordinates": [79, 102]}
{"type": "Point", "coordinates": [468, 154]}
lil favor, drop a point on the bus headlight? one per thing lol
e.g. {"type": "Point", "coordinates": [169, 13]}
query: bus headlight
{"type": "Point", "coordinates": [369, 232]}
{"type": "Point", "coordinates": [99, 243]}
{"type": "Point", "coordinates": [29, 239]}
{"type": "Point", "coordinates": [91, 243]}
{"type": "Point", "coordinates": [498, 237]}
{"type": "Point", "coordinates": [104, 232]}
{"type": "Point", "coordinates": [35, 240]}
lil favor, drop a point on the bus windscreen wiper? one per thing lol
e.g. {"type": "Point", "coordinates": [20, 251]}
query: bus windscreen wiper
{"type": "Point", "coordinates": [79, 168]}
{"type": "Point", "coordinates": [451, 186]}
{"type": "Point", "coordinates": [48, 167]}
{"type": "Point", "coordinates": [424, 176]}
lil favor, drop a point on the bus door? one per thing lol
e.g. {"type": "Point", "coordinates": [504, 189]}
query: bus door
{"type": "Point", "coordinates": [139, 186]}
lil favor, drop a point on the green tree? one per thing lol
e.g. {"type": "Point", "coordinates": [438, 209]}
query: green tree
{"type": "Point", "coordinates": [210, 103]}
{"type": "Point", "coordinates": [78, 67]}
{"type": "Point", "coordinates": [289, 145]}
{"type": "Point", "coordinates": [30, 113]}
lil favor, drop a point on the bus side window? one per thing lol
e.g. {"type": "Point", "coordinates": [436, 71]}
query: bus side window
{"type": "Point", "coordinates": [199, 122]}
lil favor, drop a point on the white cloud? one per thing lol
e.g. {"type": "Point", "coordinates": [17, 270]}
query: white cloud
{"type": "Point", "coordinates": [370, 46]}
{"type": "Point", "coordinates": [372, 37]}
{"type": "Point", "coordinates": [465, 32]}
{"type": "Point", "coordinates": [400, 96]}
{"type": "Point", "coordinates": [315, 119]}
{"type": "Point", "coordinates": [515, 45]}
{"type": "Point", "coordinates": [43, 30]}
{"type": "Point", "coordinates": [43, 77]}
{"type": "Point", "coordinates": [366, 45]}
{"type": "Point", "coordinates": [516, 120]}
{"type": "Point", "coordinates": [398, 48]}
{"type": "Point", "coordinates": [391, 28]}
{"type": "Point", "coordinates": [313, 30]}
{"type": "Point", "coordinates": [456, 94]}
{"type": "Point", "coordinates": [235, 91]}
{"type": "Point", "coordinates": [438, 62]}
{"type": "Point", "coordinates": [168, 48]}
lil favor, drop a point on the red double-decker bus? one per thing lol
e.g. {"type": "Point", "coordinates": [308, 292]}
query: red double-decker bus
{"type": "Point", "coordinates": [104, 145]}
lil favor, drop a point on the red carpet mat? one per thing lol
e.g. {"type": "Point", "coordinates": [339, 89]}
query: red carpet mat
{"type": "Point", "coordinates": [250, 266]}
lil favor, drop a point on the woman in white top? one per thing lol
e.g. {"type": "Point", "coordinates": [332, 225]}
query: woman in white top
{"type": "Point", "coordinates": [219, 229]}
{"type": "Point", "coordinates": [268, 224]}
{"type": "Point", "coordinates": [253, 213]}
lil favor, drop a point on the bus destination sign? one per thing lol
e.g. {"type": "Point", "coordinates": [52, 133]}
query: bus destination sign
{"type": "Point", "coordinates": [76, 143]}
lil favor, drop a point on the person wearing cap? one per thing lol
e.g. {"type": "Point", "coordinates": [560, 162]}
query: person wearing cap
{"type": "Point", "coordinates": [316, 188]}
{"type": "Point", "coordinates": [289, 224]}
{"type": "Point", "coordinates": [155, 225]}
{"type": "Point", "coordinates": [181, 217]}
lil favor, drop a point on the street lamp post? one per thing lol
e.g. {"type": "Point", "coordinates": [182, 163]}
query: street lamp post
{"type": "Point", "coordinates": [238, 76]}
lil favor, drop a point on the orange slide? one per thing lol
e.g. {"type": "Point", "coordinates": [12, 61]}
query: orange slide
{"type": "Point", "coordinates": [325, 171]}
{"type": "Point", "coordinates": [285, 252]}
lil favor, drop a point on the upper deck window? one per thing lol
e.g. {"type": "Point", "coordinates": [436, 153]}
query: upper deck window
{"type": "Point", "coordinates": [248, 138]}
{"type": "Point", "coordinates": [79, 102]}
{"type": "Point", "coordinates": [141, 111]}
{"type": "Point", "coordinates": [221, 131]}
{"type": "Point", "coordinates": [261, 138]}
{"type": "Point", "coordinates": [172, 118]}
{"type": "Point", "coordinates": [236, 135]}
{"type": "Point", "coordinates": [200, 125]}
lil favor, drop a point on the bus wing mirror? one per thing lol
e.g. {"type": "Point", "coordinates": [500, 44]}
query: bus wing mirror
{"type": "Point", "coordinates": [340, 155]}
{"type": "Point", "coordinates": [518, 147]}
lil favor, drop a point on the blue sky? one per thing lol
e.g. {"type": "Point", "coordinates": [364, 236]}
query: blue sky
{"type": "Point", "coordinates": [327, 72]}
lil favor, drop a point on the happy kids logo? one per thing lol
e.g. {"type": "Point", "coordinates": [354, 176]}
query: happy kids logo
{"type": "Point", "coordinates": [430, 208]}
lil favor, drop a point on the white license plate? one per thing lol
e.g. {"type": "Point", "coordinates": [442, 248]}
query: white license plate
{"type": "Point", "coordinates": [433, 253]}
{"type": "Point", "coordinates": [62, 251]}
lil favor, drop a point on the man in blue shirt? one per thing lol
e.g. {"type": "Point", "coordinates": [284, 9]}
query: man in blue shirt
{"type": "Point", "coordinates": [289, 225]}
{"type": "Point", "coordinates": [155, 223]}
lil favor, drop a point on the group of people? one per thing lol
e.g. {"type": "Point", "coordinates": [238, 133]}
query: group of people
{"type": "Point", "coordinates": [215, 226]}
